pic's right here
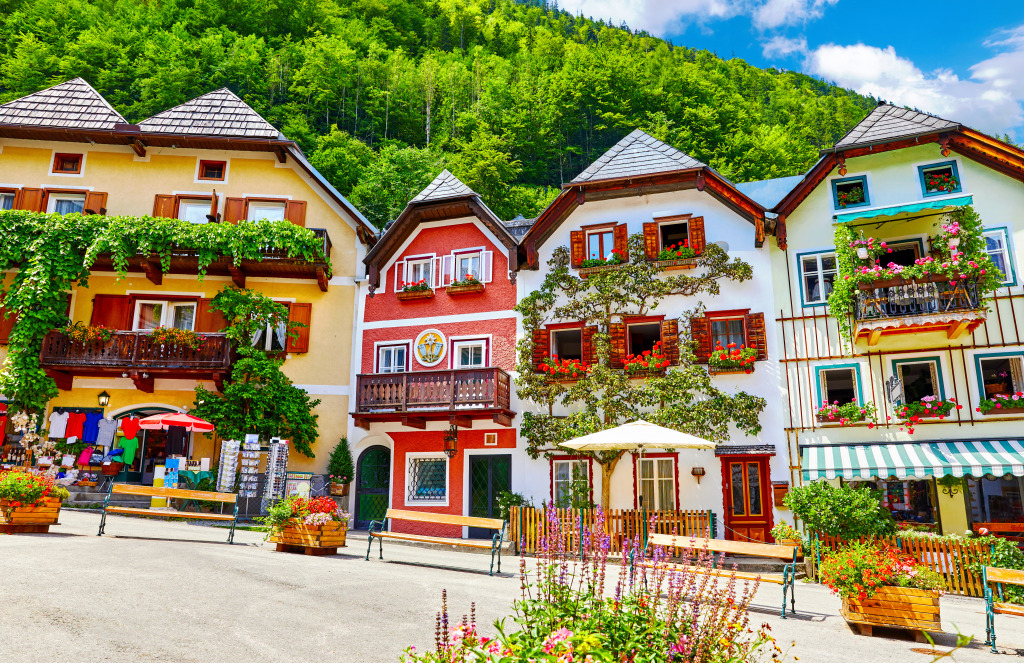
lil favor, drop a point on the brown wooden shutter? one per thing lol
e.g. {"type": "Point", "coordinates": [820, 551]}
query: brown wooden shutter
{"type": "Point", "coordinates": [700, 330]}
{"type": "Point", "coordinates": [31, 200]}
{"type": "Point", "coordinates": [651, 245]}
{"type": "Point", "coordinates": [6, 325]}
{"type": "Point", "coordinates": [110, 311]}
{"type": "Point", "coordinates": [234, 210]}
{"type": "Point", "coordinates": [95, 202]}
{"type": "Point", "coordinates": [695, 228]}
{"type": "Point", "coordinates": [163, 206]}
{"type": "Point", "coordinates": [295, 211]}
{"type": "Point", "coordinates": [617, 338]}
{"type": "Point", "coordinates": [670, 340]}
{"type": "Point", "coordinates": [577, 247]}
{"type": "Point", "coordinates": [756, 336]}
{"type": "Point", "coordinates": [209, 320]}
{"type": "Point", "coordinates": [541, 347]}
{"type": "Point", "coordinates": [589, 352]}
{"type": "Point", "coordinates": [621, 237]}
{"type": "Point", "coordinates": [299, 313]}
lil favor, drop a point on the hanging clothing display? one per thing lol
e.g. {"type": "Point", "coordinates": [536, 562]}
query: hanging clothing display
{"type": "Point", "coordinates": [130, 426]}
{"type": "Point", "coordinates": [58, 424]}
{"type": "Point", "coordinates": [130, 446]}
{"type": "Point", "coordinates": [75, 422]}
{"type": "Point", "coordinates": [177, 437]}
{"type": "Point", "coordinates": [105, 432]}
{"type": "Point", "coordinates": [90, 429]}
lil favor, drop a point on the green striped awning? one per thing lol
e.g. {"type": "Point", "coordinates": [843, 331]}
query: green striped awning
{"type": "Point", "coordinates": [914, 460]}
{"type": "Point", "coordinates": [895, 210]}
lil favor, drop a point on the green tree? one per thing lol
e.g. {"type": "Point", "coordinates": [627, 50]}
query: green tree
{"type": "Point", "coordinates": [339, 465]}
{"type": "Point", "coordinates": [341, 159]}
{"type": "Point", "coordinates": [392, 180]}
{"type": "Point", "coordinates": [843, 511]}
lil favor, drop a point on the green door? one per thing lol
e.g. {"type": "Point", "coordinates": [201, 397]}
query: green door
{"type": "Point", "coordinates": [488, 476]}
{"type": "Point", "coordinates": [373, 481]}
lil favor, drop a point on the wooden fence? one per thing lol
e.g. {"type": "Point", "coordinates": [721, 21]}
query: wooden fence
{"type": "Point", "coordinates": [959, 562]}
{"type": "Point", "coordinates": [527, 525]}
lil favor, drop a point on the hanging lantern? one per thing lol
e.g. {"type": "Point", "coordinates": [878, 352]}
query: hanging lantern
{"type": "Point", "coordinates": [451, 441]}
{"type": "Point", "coordinates": [103, 399]}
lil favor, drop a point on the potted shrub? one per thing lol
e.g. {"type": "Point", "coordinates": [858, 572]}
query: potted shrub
{"type": "Point", "coordinates": [317, 525]}
{"type": "Point", "coordinates": [785, 534]}
{"type": "Point", "coordinates": [732, 359]}
{"type": "Point", "coordinates": [29, 502]}
{"type": "Point", "coordinates": [339, 467]}
{"type": "Point", "coordinates": [882, 586]}
{"type": "Point", "coordinates": [649, 362]}
{"type": "Point", "coordinates": [468, 284]}
{"type": "Point", "coordinates": [418, 290]}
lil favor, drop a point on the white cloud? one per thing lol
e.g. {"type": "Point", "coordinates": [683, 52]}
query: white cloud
{"type": "Point", "coordinates": [781, 47]}
{"type": "Point", "coordinates": [777, 13]}
{"type": "Point", "coordinates": [659, 17]}
{"type": "Point", "coordinates": [990, 101]}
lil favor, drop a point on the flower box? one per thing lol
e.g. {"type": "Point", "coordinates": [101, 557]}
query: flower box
{"type": "Point", "coordinates": [676, 263]}
{"type": "Point", "coordinates": [464, 289]}
{"type": "Point", "coordinates": [587, 271]}
{"type": "Point", "coordinates": [824, 419]}
{"type": "Point", "coordinates": [311, 539]}
{"type": "Point", "coordinates": [1005, 410]}
{"type": "Point", "coordinates": [726, 370]}
{"type": "Point", "coordinates": [646, 373]}
{"type": "Point", "coordinates": [407, 295]}
{"type": "Point", "coordinates": [339, 489]}
{"type": "Point", "coordinates": [895, 607]}
{"type": "Point", "coordinates": [29, 519]}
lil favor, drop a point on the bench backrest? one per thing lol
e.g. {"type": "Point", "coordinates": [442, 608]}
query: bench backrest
{"type": "Point", "coordinates": [446, 519]}
{"type": "Point", "coordinates": [720, 545]}
{"type": "Point", "coordinates": [1009, 576]}
{"type": "Point", "coordinates": [152, 491]}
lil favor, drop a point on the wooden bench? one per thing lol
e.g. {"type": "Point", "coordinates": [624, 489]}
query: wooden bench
{"type": "Point", "coordinates": [150, 491]}
{"type": "Point", "coordinates": [786, 553]}
{"type": "Point", "coordinates": [377, 530]}
{"type": "Point", "coordinates": [999, 577]}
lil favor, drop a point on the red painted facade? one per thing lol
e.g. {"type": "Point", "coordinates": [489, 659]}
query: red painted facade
{"type": "Point", "coordinates": [501, 333]}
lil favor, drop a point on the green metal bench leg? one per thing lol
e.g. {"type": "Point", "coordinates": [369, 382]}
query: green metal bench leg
{"type": "Point", "coordinates": [231, 536]}
{"type": "Point", "coordinates": [106, 502]}
{"type": "Point", "coordinates": [369, 545]}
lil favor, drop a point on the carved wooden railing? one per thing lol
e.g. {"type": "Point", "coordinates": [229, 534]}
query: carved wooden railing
{"type": "Point", "coordinates": [135, 350]}
{"type": "Point", "coordinates": [420, 391]}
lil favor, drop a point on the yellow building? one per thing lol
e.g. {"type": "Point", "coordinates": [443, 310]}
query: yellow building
{"type": "Point", "coordinates": [212, 159]}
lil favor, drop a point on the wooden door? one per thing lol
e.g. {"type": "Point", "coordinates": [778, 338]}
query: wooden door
{"type": "Point", "coordinates": [748, 507]}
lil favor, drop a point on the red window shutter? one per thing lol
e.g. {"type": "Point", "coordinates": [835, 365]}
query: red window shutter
{"type": "Point", "coordinates": [589, 352]}
{"type": "Point", "coordinates": [110, 311]}
{"type": "Point", "coordinates": [670, 340]}
{"type": "Point", "coordinates": [299, 313]}
{"type": "Point", "coordinates": [541, 347]}
{"type": "Point", "coordinates": [617, 339]}
{"type": "Point", "coordinates": [95, 203]}
{"type": "Point", "coordinates": [621, 237]}
{"type": "Point", "coordinates": [6, 324]}
{"type": "Point", "coordinates": [651, 245]}
{"type": "Point", "coordinates": [756, 335]}
{"type": "Point", "coordinates": [295, 211]}
{"type": "Point", "coordinates": [695, 228]}
{"type": "Point", "coordinates": [234, 210]}
{"type": "Point", "coordinates": [163, 207]}
{"type": "Point", "coordinates": [700, 330]}
{"type": "Point", "coordinates": [577, 247]}
{"type": "Point", "coordinates": [208, 320]}
{"type": "Point", "coordinates": [32, 200]}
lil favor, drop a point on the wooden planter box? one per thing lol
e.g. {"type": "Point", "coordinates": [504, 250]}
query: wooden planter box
{"type": "Point", "coordinates": [464, 289]}
{"type": "Point", "coordinates": [895, 607]}
{"type": "Point", "coordinates": [408, 295]}
{"type": "Point", "coordinates": [721, 370]}
{"type": "Point", "coordinates": [1004, 410]}
{"type": "Point", "coordinates": [587, 271]}
{"type": "Point", "coordinates": [29, 519]}
{"type": "Point", "coordinates": [322, 540]}
{"type": "Point", "coordinates": [650, 373]}
{"type": "Point", "coordinates": [339, 489]}
{"type": "Point", "coordinates": [678, 263]}
{"type": "Point", "coordinates": [825, 421]}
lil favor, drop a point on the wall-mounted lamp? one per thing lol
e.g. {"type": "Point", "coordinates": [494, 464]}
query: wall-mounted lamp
{"type": "Point", "coordinates": [698, 472]}
{"type": "Point", "coordinates": [103, 399]}
{"type": "Point", "coordinates": [451, 441]}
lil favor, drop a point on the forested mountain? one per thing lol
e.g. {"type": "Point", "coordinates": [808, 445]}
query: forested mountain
{"type": "Point", "coordinates": [514, 97]}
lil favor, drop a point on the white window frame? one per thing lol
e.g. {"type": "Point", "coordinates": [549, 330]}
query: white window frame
{"type": "Point", "coordinates": [428, 265]}
{"type": "Point", "coordinates": [823, 380]}
{"type": "Point", "coordinates": [459, 257]}
{"type": "Point", "coordinates": [12, 194]}
{"type": "Point", "coordinates": [458, 344]}
{"type": "Point", "coordinates": [380, 347]}
{"type": "Point", "coordinates": [1004, 235]}
{"type": "Point", "coordinates": [409, 458]}
{"type": "Point", "coordinates": [51, 200]}
{"type": "Point", "coordinates": [572, 463]}
{"type": "Point", "coordinates": [165, 314]}
{"type": "Point", "coordinates": [819, 271]}
{"type": "Point", "coordinates": [490, 439]}
{"type": "Point", "coordinates": [194, 202]}
{"type": "Point", "coordinates": [552, 346]}
{"type": "Point", "coordinates": [656, 480]}
{"type": "Point", "coordinates": [253, 205]}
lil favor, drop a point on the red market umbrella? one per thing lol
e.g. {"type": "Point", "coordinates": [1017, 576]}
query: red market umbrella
{"type": "Point", "coordinates": [165, 421]}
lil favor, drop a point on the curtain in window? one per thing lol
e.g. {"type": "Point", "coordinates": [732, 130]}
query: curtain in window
{"type": "Point", "coordinates": [68, 206]}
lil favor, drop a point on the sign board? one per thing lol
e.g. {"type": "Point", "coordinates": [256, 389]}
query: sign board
{"type": "Point", "coordinates": [894, 390]}
{"type": "Point", "coordinates": [298, 483]}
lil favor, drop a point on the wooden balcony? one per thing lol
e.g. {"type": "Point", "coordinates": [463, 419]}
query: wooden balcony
{"type": "Point", "coordinates": [414, 398]}
{"type": "Point", "coordinates": [274, 263]}
{"type": "Point", "coordinates": [135, 355]}
{"type": "Point", "coordinates": [896, 306]}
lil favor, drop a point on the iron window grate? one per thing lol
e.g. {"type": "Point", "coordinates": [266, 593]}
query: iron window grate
{"type": "Point", "coordinates": [428, 479]}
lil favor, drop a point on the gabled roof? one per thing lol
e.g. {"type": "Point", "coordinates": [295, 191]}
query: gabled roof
{"type": "Point", "coordinates": [768, 193]}
{"type": "Point", "coordinates": [443, 187]}
{"type": "Point", "coordinates": [888, 122]}
{"type": "Point", "coordinates": [217, 113]}
{"type": "Point", "coordinates": [637, 154]}
{"type": "Point", "coordinates": [72, 104]}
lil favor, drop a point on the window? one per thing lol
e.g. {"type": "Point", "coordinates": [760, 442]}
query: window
{"type": "Point", "coordinates": [901, 253]}
{"type": "Point", "coordinates": [567, 344]}
{"type": "Point", "coordinates": [65, 203]}
{"type": "Point", "coordinates": [67, 164]}
{"type": "Point", "coordinates": [150, 314]}
{"type": "Point", "coordinates": [643, 336]}
{"type": "Point", "coordinates": [996, 500]}
{"type": "Point", "coordinates": [850, 192]}
{"type": "Point", "coordinates": [674, 235]}
{"type": "Point", "coordinates": [470, 354]}
{"type": "Point", "coordinates": [212, 170]}
{"type": "Point", "coordinates": [260, 209]}
{"type": "Point", "coordinates": [428, 479]}
{"type": "Point", "coordinates": [1001, 375]}
{"type": "Point", "coordinates": [564, 474]}
{"type": "Point", "coordinates": [6, 200]}
{"type": "Point", "coordinates": [392, 358]}
{"type": "Point", "coordinates": [727, 330]}
{"type": "Point", "coordinates": [467, 264]}
{"type": "Point", "coordinates": [817, 273]}
{"type": "Point", "coordinates": [939, 178]}
{"type": "Point", "coordinates": [657, 489]}
{"type": "Point", "coordinates": [920, 378]}
{"type": "Point", "coordinates": [997, 246]}
{"type": "Point", "coordinates": [838, 385]}
{"type": "Point", "coordinates": [194, 210]}
{"type": "Point", "coordinates": [272, 338]}
{"type": "Point", "coordinates": [490, 439]}
{"type": "Point", "coordinates": [419, 270]}
{"type": "Point", "coordinates": [600, 244]}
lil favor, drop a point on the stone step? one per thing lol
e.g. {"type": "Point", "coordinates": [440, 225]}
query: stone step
{"type": "Point", "coordinates": [81, 498]}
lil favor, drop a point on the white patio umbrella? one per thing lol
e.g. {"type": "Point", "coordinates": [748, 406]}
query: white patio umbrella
{"type": "Point", "coordinates": [639, 435]}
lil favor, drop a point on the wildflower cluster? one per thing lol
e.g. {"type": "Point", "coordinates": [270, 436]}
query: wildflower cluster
{"type": "Point", "coordinates": [28, 488]}
{"type": "Point", "coordinates": [677, 251]}
{"type": "Point", "coordinates": [859, 570]}
{"type": "Point", "coordinates": [847, 414]}
{"type": "Point", "coordinates": [563, 368]}
{"type": "Point", "coordinates": [648, 360]}
{"type": "Point", "coordinates": [733, 357]}
{"type": "Point", "coordinates": [614, 257]}
{"type": "Point", "coordinates": [415, 286]}
{"type": "Point", "coordinates": [79, 332]}
{"type": "Point", "coordinates": [1001, 402]}
{"type": "Point", "coordinates": [182, 338]}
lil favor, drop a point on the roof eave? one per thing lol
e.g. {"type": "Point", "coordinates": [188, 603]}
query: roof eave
{"type": "Point", "coordinates": [835, 149]}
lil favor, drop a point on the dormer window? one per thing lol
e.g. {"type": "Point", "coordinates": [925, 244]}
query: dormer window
{"type": "Point", "coordinates": [212, 170]}
{"type": "Point", "coordinates": [67, 164]}
{"type": "Point", "coordinates": [850, 192]}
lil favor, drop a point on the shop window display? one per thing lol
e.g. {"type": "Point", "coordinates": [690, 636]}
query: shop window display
{"type": "Point", "coordinates": [996, 499]}
{"type": "Point", "coordinates": [911, 502]}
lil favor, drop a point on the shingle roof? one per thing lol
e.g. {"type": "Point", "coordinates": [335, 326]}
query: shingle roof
{"type": "Point", "coordinates": [444, 186]}
{"type": "Point", "coordinates": [519, 226]}
{"type": "Point", "coordinates": [888, 122]}
{"type": "Point", "coordinates": [217, 113]}
{"type": "Point", "coordinates": [72, 104]}
{"type": "Point", "coordinates": [637, 154]}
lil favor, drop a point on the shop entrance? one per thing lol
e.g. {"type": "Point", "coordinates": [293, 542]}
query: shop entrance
{"type": "Point", "coordinates": [373, 483]}
{"type": "Point", "coordinates": [488, 476]}
{"type": "Point", "coordinates": [748, 508]}
{"type": "Point", "coordinates": [150, 449]}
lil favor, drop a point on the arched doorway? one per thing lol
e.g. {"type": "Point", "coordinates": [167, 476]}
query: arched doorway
{"type": "Point", "coordinates": [373, 483]}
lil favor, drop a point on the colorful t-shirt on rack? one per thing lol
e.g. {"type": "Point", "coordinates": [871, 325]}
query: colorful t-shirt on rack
{"type": "Point", "coordinates": [90, 429]}
{"type": "Point", "coordinates": [75, 421]}
{"type": "Point", "coordinates": [130, 446]}
{"type": "Point", "coordinates": [130, 427]}
{"type": "Point", "coordinates": [58, 424]}
{"type": "Point", "coordinates": [105, 432]}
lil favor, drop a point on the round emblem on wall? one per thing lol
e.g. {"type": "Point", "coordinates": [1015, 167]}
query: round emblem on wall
{"type": "Point", "coordinates": [430, 347]}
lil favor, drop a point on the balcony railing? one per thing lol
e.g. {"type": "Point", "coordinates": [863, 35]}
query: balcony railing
{"type": "Point", "coordinates": [897, 298]}
{"type": "Point", "coordinates": [129, 351]}
{"type": "Point", "coordinates": [458, 391]}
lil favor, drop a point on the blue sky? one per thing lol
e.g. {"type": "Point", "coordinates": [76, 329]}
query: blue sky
{"type": "Point", "coordinates": [960, 60]}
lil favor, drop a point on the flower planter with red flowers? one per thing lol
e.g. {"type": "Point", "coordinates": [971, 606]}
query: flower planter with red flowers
{"type": "Point", "coordinates": [419, 290]}
{"type": "Point", "coordinates": [677, 256]}
{"type": "Point", "coordinates": [590, 266]}
{"type": "Point", "coordinates": [563, 370]}
{"type": "Point", "coordinates": [465, 286]}
{"type": "Point", "coordinates": [732, 359]}
{"type": "Point", "coordinates": [929, 407]}
{"type": "Point", "coordinates": [1003, 404]}
{"type": "Point", "coordinates": [314, 526]}
{"type": "Point", "coordinates": [29, 502]}
{"type": "Point", "coordinates": [847, 414]}
{"type": "Point", "coordinates": [648, 363]}
{"type": "Point", "coordinates": [941, 183]}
